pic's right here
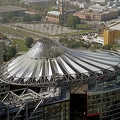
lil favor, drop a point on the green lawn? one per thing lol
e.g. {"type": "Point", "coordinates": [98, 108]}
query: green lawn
{"type": "Point", "coordinates": [20, 44]}
{"type": "Point", "coordinates": [83, 26]}
{"type": "Point", "coordinates": [81, 32]}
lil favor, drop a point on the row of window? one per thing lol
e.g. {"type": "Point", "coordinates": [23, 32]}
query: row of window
{"type": "Point", "coordinates": [4, 86]}
{"type": "Point", "coordinates": [57, 111]}
{"type": "Point", "coordinates": [53, 16]}
{"type": "Point", "coordinates": [103, 102]}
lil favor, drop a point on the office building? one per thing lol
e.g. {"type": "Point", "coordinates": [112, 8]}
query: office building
{"type": "Point", "coordinates": [90, 15]}
{"type": "Point", "coordinates": [111, 34]}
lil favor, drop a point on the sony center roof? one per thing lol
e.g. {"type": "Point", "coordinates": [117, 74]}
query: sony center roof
{"type": "Point", "coordinates": [48, 63]}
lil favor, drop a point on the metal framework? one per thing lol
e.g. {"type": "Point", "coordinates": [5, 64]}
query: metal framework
{"type": "Point", "coordinates": [13, 104]}
{"type": "Point", "coordinates": [48, 63]}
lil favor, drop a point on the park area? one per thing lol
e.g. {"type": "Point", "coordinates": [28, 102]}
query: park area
{"type": "Point", "coordinates": [20, 44]}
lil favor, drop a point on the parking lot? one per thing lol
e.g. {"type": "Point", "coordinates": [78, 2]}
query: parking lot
{"type": "Point", "coordinates": [51, 29]}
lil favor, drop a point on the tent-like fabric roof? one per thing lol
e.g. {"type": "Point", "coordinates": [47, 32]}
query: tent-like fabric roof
{"type": "Point", "coordinates": [47, 62]}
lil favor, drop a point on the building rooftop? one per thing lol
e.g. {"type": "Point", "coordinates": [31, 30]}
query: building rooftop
{"type": "Point", "coordinates": [34, 1]}
{"type": "Point", "coordinates": [97, 7]}
{"type": "Point", "coordinates": [11, 9]}
{"type": "Point", "coordinates": [49, 63]}
{"type": "Point", "coordinates": [54, 12]}
{"type": "Point", "coordinates": [29, 12]}
{"type": "Point", "coordinates": [115, 27]}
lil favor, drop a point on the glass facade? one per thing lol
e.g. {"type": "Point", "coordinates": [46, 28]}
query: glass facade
{"type": "Point", "coordinates": [56, 111]}
{"type": "Point", "coordinates": [106, 103]}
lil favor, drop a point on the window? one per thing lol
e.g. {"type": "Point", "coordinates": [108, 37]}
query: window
{"type": "Point", "coordinates": [3, 91]}
{"type": "Point", "coordinates": [2, 86]}
{"type": "Point", "coordinates": [6, 85]}
{"type": "Point", "coordinates": [2, 95]}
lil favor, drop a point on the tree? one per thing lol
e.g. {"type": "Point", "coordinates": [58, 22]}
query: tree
{"type": "Point", "coordinates": [26, 18]}
{"type": "Point", "coordinates": [107, 47]}
{"type": "Point", "coordinates": [12, 50]}
{"type": "Point", "coordinates": [73, 44]}
{"type": "Point", "coordinates": [7, 56]}
{"type": "Point", "coordinates": [7, 17]}
{"type": "Point", "coordinates": [9, 53]}
{"type": "Point", "coordinates": [14, 19]}
{"type": "Point", "coordinates": [28, 42]}
{"type": "Point", "coordinates": [35, 17]}
{"type": "Point", "coordinates": [72, 21]}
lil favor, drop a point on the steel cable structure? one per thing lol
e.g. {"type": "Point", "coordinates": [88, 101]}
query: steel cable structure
{"type": "Point", "coordinates": [48, 63]}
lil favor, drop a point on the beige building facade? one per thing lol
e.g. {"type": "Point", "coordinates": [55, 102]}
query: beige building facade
{"type": "Point", "coordinates": [53, 16]}
{"type": "Point", "coordinates": [101, 16]}
{"type": "Point", "coordinates": [84, 15]}
{"type": "Point", "coordinates": [57, 16]}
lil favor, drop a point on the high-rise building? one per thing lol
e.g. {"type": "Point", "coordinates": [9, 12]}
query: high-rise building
{"type": "Point", "coordinates": [112, 34]}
